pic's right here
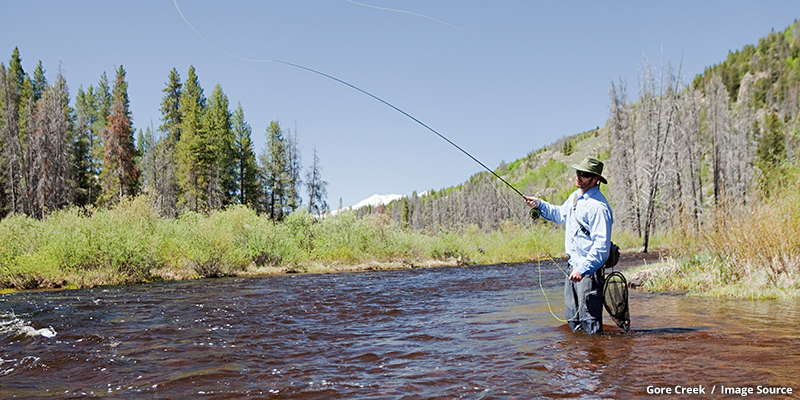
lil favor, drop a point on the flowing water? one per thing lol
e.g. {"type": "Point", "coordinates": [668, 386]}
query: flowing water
{"type": "Point", "coordinates": [478, 332]}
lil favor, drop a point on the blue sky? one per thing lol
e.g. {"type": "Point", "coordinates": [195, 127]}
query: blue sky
{"type": "Point", "coordinates": [499, 78]}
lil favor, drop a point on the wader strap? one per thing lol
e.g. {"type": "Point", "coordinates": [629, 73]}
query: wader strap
{"type": "Point", "coordinates": [575, 214]}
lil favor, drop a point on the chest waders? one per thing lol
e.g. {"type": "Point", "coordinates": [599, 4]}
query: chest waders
{"type": "Point", "coordinates": [614, 287]}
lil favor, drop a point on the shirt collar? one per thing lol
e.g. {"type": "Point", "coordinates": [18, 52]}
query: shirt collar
{"type": "Point", "coordinates": [589, 193]}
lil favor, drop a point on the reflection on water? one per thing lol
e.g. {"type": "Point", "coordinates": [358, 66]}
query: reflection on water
{"type": "Point", "coordinates": [467, 332]}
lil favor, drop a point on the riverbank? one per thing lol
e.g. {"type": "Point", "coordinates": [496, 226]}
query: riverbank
{"type": "Point", "coordinates": [747, 251]}
{"type": "Point", "coordinates": [732, 256]}
{"type": "Point", "coordinates": [131, 244]}
{"type": "Point", "coordinates": [710, 278]}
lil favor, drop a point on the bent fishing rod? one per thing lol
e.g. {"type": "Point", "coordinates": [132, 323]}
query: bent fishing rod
{"type": "Point", "coordinates": [534, 213]}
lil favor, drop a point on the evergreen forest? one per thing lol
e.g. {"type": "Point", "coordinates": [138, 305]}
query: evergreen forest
{"type": "Point", "coordinates": [84, 152]}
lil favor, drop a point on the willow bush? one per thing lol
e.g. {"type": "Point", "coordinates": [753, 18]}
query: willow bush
{"type": "Point", "coordinates": [82, 247]}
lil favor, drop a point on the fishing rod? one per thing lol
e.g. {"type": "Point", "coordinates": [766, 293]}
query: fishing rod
{"type": "Point", "coordinates": [404, 113]}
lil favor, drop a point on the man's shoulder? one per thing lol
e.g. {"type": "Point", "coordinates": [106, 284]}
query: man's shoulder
{"type": "Point", "coordinates": [597, 197]}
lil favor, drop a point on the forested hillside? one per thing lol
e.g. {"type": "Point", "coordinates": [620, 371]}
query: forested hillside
{"type": "Point", "coordinates": [680, 153]}
{"type": "Point", "coordinates": [673, 155]}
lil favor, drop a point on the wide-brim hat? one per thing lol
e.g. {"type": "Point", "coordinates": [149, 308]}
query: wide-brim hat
{"type": "Point", "coordinates": [592, 166]}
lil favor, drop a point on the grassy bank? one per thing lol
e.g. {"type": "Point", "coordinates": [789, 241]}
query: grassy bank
{"type": "Point", "coordinates": [746, 252]}
{"type": "Point", "coordinates": [131, 243]}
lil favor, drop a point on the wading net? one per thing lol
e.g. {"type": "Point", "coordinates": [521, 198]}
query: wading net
{"type": "Point", "coordinates": [615, 300]}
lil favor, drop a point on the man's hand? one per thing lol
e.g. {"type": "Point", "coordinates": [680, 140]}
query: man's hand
{"type": "Point", "coordinates": [532, 202]}
{"type": "Point", "coordinates": [575, 276]}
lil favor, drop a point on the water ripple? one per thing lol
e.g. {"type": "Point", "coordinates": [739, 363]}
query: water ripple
{"type": "Point", "coordinates": [468, 332]}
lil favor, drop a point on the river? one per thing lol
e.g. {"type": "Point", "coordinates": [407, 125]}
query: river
{"type": "Point", "coordinates": [474, 332]}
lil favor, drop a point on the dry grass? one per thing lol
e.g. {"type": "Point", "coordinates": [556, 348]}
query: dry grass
{"type": "Point", "coordinates": [741, 251]}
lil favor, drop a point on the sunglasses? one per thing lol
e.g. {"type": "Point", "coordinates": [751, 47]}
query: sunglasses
{"type": "Point", "coordinates": [585, 174]}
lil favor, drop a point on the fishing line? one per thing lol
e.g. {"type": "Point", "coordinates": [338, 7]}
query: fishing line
{"type": "Point", "coordinates": [350, 86]}
{"type": "Point", "coordinates": [404, 12]}
{"type": "Point", "coordinates": [534, 215]}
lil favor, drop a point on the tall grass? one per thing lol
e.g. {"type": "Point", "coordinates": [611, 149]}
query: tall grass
{"type": "Point", "coordinates": [740, 251]}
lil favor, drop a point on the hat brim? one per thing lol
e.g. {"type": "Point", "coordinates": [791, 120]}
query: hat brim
{"type": "Point", "coordinates": [582, 169]}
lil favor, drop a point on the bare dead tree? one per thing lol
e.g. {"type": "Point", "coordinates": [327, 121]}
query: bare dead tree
{"type": "Point", "coordinates": [655, 122]}
{"type": "Point", "coordinates": [688, 151]}
{"type": "Point", "coordinates": [316, 187]}
{"type": "Point", "coordinates": [294, 170]}
{"type": "Point", "coordinates": [158, 170]}
{"type": "Point", "coordinates": [622, 163]}
{"type": "Point", "coordinates": [742, 148]}
{"type": "Point", "coordinates": [793, 113]}
{"type": "Point", "coordinates": [52, 153]}
{"type": "Point", "coordinates": [717, 122]}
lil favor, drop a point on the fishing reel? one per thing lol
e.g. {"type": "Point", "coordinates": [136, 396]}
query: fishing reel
{"type": "Point", "coordinates": [534, 213]}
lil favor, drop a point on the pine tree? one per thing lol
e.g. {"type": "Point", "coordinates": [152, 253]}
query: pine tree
{"type": "Point", "coordinates": [19, 107]}
{"type": "Point", "coordinates": [164, 178]}
{"type": "Point", "coordinates": [275, 171]}
{"type": "Point", "coordinates": [217, 151]}
{"type": "Point", "coordinates": [102, 107]}
{"type": "Point", "coordinates": [317, 191]}
{"type": "Point", "coordinates": [6, 170]}
{"type": "Point", "coordinates": [771, 150]}
{"type": "Point", "coordinates": [404, 212]}
{"type": "Point", "coordinates": [103, 101]}
{"type": "Point", "coordinates": [188, 152]}
{"type": "Point", "coordinates": [26, 119]}
{"type": "Point", "coordinates": [39, 82]}
{"type": "Point", "coordinates": [120, 176]}
{"type": "Point", "coordinates": [86, 166]}
{"type": "Point", "coordinates": [13, 162]}
{"type": "Point", "coordinates": [247, 184]}
{"type": "Point", "coordinates": [170, 107]}
{"type": "Point", "coordinates": [294, 170]}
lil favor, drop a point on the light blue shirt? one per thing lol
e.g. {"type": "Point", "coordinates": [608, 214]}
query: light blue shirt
{"type": "Point", "coordinates": [586, 253]}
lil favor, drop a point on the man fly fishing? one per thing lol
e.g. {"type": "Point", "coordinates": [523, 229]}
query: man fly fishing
{"type": "Point", "coordinates": [587, 241]}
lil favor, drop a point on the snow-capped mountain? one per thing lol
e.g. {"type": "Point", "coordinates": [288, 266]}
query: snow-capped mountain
{"type": "Point", "coordinates": [374, 201]}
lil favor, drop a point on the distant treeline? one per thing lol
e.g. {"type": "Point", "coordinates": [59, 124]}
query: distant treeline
{"type": "Point", "coordinates": [200, 158]}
